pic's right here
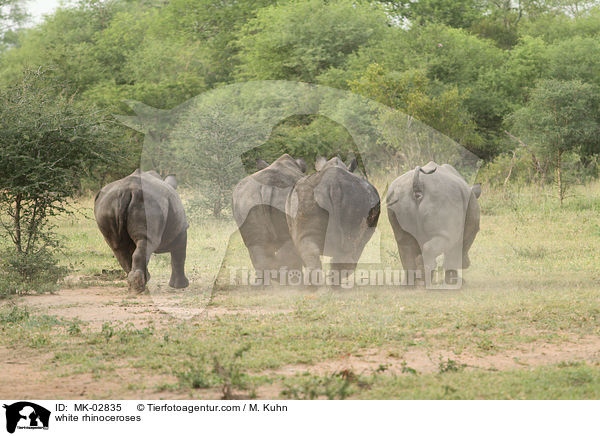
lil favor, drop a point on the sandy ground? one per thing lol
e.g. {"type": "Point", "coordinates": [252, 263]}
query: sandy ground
{"type": "Point", "coordinates": [22, 375]}
{"type": "Point", "coordinates": [428, 361]}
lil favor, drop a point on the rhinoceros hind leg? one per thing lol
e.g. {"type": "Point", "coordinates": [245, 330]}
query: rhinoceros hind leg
{"type": "Point", "coordinates": [432, 249]}
{"type": "Point", "coordinates": [124, 254]}
{"type": "Point", "coordinates": [466, 262]}
{"type": "Point", "coordinates": [287, 256]}
{"type": "Point", "coordinates": [262, 257]}
{"type": "Point", "coordinates": [451, 276]}
{"type": "Point", "coordinates": [454, 259]}
{"type": "Point", "coordinates": [179, 282]}
{"type": "Point", "coordinates": [136, 281]}
{"type": "Point", "coordinates": [139, 275]}
{"type": "Point", "coordinates": [263, 260]}
{"type": "Point", "coordinates": [409, 250]}
{"type": "Point", "coordinates": [471, 230]}
{"type": "Point", "coordinates": [178, 254]}
{"type": "Point", "coordinates": [344, 271]}
{"type": "Point", "coordinates": [311, 258]}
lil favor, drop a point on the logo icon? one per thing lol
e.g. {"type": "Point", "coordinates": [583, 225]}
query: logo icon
{"type": "Point", "coordinates": [26, 415]}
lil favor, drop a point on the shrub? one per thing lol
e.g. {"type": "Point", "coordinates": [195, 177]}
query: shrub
{"type": "Point", "coordinates": [22, 273]}
{"type": "Point", "coordinates": [47, 144]}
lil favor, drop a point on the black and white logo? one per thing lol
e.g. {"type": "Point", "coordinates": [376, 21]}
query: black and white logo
{"type": "Point", "coordinates": [26, 415]}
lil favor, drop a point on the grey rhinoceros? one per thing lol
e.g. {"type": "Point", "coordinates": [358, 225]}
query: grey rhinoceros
{"type": "Point", "coordinates": [332, 212]}
{"type": "Point", "coordinates": [139, 215]}
{"type": "Point", "coordinates": [259, 212]}
{"type": "Point", "coordinates": [433, 211]}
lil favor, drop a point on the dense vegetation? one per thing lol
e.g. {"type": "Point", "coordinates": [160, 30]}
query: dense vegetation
{"type": "Point", "coordinates": [514, 81]}
{"type": "Point", "coordinates": [469, 68]}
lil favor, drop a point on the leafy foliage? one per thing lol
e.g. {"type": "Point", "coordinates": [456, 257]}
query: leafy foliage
{"type": "Point", "coordinates": [22, 273]}
{"type": "Point", "coordinates": [48, 142]}
{"type": "Point", "coordinates": [561, 116]}
{"type": "Point", "coordinates": [302, 39]}
{"type": "Point", "coordinates": [226, 372]}
{"type": "Point", "coordinates": [468, 68]}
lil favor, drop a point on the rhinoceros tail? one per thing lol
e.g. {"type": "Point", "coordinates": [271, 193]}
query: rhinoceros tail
{"type": "Point", "coordinates": [417, 185]}
{"type": "Point", "coordinates": [122, 212]}
{"type": "Point", "coordinates": [373, 216]}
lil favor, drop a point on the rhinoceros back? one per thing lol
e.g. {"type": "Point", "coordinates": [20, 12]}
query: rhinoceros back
{"type": "Point", "coordinates": [353, 206]}
{"type": "Point", "coordinates": [141, 190]}
{"type": "Point", "coordinates": [429, 199]}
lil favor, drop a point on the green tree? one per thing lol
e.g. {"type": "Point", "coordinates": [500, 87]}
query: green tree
{"type": "Point", "coordinates": [210, 142]}
{"type": "Point", "coordinates": [301, 39]}
{"type": "Point", "coordinates": [557, 26]}
{"type": "Point", "coordinates": [211, 25]}
{"type": "Point", "coordinates": [574, 58]}
{"type": "Point", "coordinates": [47, 144]}
{"type": "Point", "coordinates": [12, 16]}
{"type": "Point", "coordinates": [560, 116]}
{"type": "Point", "coordinates": [449, 58]}
{"type": "Point", "coordinates": [63, 45]}
{"type": "Point", "coordinates": [502, 90]}
{"type": "Point", "coordinates": [453, 13]}
{"type": "Point", "coordinates": [303, 136]}
{"type": "Point", "coordinates": [412, 93]}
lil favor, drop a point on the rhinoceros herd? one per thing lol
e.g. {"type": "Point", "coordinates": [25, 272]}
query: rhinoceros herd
{"type": "Point", "coordinates": [288, 219]}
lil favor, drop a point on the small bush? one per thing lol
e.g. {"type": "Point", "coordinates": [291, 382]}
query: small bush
{"type": "Point", "coordinates": [535, 253]}
{"type": "Point", "coordinates": [74, 327]}
{"type": "Point", "coordinates": [22, 273]}
{"type": "Point", "coordinates": [312, 387]}
{"type": "Point", "coordinates": [108, 331]}
{"type": "Point", "coordinates": [337, 386]}
{"type": "Point", "coordinates": [195, 375]}
{"type": "Point", "coordinates": [519, 166]}
{"type": "Point", "coordinates": [513, 171]}
{"type": "Point", "coordinates": [130, 334]}
{"type": "Point", "coordinates": [226, 372]}
{"type": "Point", "coordinates": [450, 365]}
{"type": "Point", "coordinates": [580, 204]}
{"type": "Point", "coordinates": [407, 369]}
{"type": "Point", "coordinates": [15, 315]}
{"type": "Point", "coordinates": [230, 374]}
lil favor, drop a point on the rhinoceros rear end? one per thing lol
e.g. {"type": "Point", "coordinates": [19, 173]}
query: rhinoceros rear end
{"type": "Point", "coordinates": [433, 211]}
{"type": "Point", "coordinates": [139, 215]}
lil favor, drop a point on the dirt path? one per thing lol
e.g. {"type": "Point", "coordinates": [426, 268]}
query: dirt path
{"type": "Point", "coordinates": [428, 361]}
{"type": "Point", "coordinates": [21, 370]}
{"type": "Point", "coordinates": [97, 305]}
{"type": "Point", "coordinates": [22, 375]}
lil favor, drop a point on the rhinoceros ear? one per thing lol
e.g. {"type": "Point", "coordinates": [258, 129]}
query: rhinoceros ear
{"type": "Point", "coordinates": [320, 163]}
{"type": "Point", "coordinates": [476, 190]}
{"type": "Point", "coordinates": [261, 164]}
{"type": "Point", "coordinates": [171, 180]}
{"type": "Point", "coordinates": [353, 165]}
{"type": "Point", "coordinates": [301, 164]}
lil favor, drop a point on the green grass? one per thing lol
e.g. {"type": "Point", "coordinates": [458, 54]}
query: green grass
{"type": "Point", "coordinates": [534, 279]}
{"type": "Point", "coordinates": [552, 382]}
